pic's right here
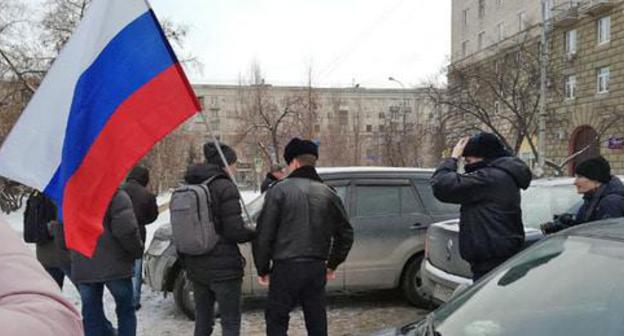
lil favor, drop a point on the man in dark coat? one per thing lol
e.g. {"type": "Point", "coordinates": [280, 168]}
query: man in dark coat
{"type": "Point", "coordinates": [303, 235]}
{"type": "Point", "coordinates": [146, 212]}
{"type": "Point", "coordinates": [490, 224]}
{"type": "Point", "coordinates": [217, 275]}
{"type": "Point", "coordinates": [603, 195]}
{"type": "Point", "coordinates": [111, 266]}
{"type": "Point", "coordinates": [277, 173]}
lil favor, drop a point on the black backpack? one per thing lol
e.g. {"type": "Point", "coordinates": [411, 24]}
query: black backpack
{"type": "Point", "coordinates": [40, 210]}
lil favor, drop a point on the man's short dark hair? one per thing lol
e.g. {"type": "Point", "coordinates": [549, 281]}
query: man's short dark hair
{"type": "Point", "coordinates": [307, 160]}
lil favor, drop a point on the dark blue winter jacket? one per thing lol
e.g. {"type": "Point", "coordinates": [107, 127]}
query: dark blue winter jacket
{"type": "Point", "coordinates": [606, 202]}
{"type": "Point", "coordinates": [490, 224]}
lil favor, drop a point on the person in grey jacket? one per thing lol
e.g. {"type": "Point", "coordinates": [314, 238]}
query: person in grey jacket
{"type": "Point", "coordinates": [303, 235]}
{"type": "Point", "coordinates": [490, 223]}
{"type": "Point", "coordinates": [111, 266]}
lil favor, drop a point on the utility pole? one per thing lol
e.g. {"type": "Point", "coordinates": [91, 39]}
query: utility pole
{"type": "Point", "coordinates": [541, 145]}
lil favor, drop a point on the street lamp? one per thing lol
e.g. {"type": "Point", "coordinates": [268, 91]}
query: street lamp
{"type": "Point", "coordinates": [404, 110]}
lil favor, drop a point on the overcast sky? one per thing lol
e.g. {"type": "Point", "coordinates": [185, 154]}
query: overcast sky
{"type": "Point", "coordinates": [346, 41]}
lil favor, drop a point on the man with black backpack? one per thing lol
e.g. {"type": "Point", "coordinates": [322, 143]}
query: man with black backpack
{"type": "Point", "coordinates": [217, 273]}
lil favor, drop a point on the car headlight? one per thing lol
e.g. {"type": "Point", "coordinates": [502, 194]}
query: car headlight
{"type": "Point", "coordinates": [157, 247]}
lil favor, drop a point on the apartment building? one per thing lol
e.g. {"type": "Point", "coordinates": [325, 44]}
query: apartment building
{"type": "Point", "coordinates": [585, 65]}
{"type": "Point", "coordinates": [353, 126]}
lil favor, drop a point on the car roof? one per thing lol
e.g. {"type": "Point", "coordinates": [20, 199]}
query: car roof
{"type": "Point", "coordinates": [612, 229]}
{"type": "Point", "coordinates": [326, 172]}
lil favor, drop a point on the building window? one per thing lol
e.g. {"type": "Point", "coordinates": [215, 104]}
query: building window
{"type": "Point", "coordinates": [570, 42]}
{"type": "Point", "coordinates": [317, 128]}
{"type": "Point", "coordinates": [464, 48]}
{"type": "Point", "coordinates": [201, 100]}
{"type": "Point", "coordinates": [497, 107]}
{"type": "Point", "coordinates": [500, 31]}
{"type": "Point", "coordinates": [381, 128]}
{"type": "Point", "coordinates": [521, 21]}
{"type": "Point", "coordinates": [343, 117]}
{"type": "Point", "coordinates": [499, 3]}
{"type": "Point", "coordinates": [604, 29]}
{"type": "Point", "coordinates": [547, 9]}
{"type": "Point", "coordinates": [382, 115]}
{"type": "Point", "coordinates": [570, 87]}
{"type": "Point", "coordinates": [465, 17]}
{"type": "Point", "coordinates": [369, 128]}
{"type": "Point", "coordinates": [481, 40]}
{"type": "Point", "coordinates": [602, 80]}
{"type": "Point", "coordinates": [481, 9]}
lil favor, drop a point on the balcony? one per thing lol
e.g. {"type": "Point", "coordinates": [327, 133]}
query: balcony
{"type": "Point", "coordinates": [565, 14]}
{"type": "Point", "coordinates": [597, 7]}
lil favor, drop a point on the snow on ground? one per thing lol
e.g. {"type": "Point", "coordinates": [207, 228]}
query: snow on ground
{"type": "Point", "coordinates": [159, 316]}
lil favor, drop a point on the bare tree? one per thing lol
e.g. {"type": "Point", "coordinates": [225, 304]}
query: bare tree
{"type": "Point", "coordinates": [266, 120]}
{"type": "Point", "coordinates": [500, 94]}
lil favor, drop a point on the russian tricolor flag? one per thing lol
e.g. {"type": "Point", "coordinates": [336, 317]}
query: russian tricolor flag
{"type": "Point", "coordinates": [113, 92]}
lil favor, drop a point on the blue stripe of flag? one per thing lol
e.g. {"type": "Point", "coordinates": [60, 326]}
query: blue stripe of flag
{"type": "Point", "coordinates": [134, 57]}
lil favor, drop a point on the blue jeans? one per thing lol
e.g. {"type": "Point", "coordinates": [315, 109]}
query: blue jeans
{"type": "Point", "coordinates": [94, 319]}
{"type": "Point", "coordinates": [137, 281]}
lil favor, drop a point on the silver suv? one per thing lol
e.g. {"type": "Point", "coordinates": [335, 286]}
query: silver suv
{"type": "Point", "coordinates": [390, 210]}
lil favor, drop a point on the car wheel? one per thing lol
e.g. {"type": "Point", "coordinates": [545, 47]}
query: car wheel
{"type": "Point", "coordinates": [183, 294]}
{"type": "Point", "coordinates": [412, 285]}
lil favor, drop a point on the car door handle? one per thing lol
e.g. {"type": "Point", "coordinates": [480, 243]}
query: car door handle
{"type": "Point", "coordinates": [417, 226]}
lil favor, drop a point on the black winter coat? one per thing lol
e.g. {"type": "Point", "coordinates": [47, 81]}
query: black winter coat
{"type": "Point", "coordinates": [143, 202]}
{"type": "Point", "coordinates": [117, 248]}
{"type": "Point", "coordinates": [302, 218]}
{"type": "Point", "coordinates": [268, 182]}
{"type": "Point", "coordinates": [225, 261]}
{"type": "Point", "coordinates": [490, 224]}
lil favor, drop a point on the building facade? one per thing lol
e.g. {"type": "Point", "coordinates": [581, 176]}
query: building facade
{"type": "Point", "coordinates": [585, 67]}
{"type": "Point", "coordinates": [353, 126]}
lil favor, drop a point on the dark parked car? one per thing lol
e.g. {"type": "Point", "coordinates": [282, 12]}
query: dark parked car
{"type": "Point", "coordinates": [443, 269]}
{"type": "Point", "coordinates": [569, 284]}
{"type": "Point", "coordinates": [390, 210]}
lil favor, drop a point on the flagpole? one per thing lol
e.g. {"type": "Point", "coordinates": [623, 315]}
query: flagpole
{"type": "Point", "coordinates": [225, 163]}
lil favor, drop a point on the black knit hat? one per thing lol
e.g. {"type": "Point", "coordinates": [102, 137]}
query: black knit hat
{"type": "Point", "coordinates": [212, 154]}
{"type": "Point", "coordinates": [597, 169]}
{"type": "Point", "coordinates": [139, 174]}
{"type": "Point", "coordinates": [485, 145]}
{"type": "Point", "coordinates": [298, 147]}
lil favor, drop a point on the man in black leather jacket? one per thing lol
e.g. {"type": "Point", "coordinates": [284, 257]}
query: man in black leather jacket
{"type": "Point", "coordinates": [303, 234]}
{"type": "Point", "coordinates": [490, 223]}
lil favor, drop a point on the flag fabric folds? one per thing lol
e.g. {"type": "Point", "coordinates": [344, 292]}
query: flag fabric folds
{"type": "Point", "coordinates": [115, 90]}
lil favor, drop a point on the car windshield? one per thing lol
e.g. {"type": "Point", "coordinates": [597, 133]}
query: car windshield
{"type": "Point", "coordinates": [562, 286]}
{"type": "Point", "coordinates": [540, 203]}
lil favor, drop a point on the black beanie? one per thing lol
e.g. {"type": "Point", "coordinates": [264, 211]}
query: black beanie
{"type": "Point", "coordinates": [485, 145]}
{"type": "Point", "coordinates": [298, 147]}
{"type": "Point", "coordinates": [597, 169]}
{"type": "Point", "coordinates": [212, 154]}
{"type": "Point", "coordinates": [139, 174]}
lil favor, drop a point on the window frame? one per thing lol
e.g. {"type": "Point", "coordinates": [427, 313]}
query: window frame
{"type": "Point", "coordinates": [602, 80]}
{"type": "Point", "coordinates": [603, 30]}
{"type": "Point", "coordinates": [571, 42]}
{"type": "Point", "coordinates": [570, 87]}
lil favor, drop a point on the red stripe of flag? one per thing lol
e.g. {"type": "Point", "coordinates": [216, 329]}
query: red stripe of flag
{"type": "Point", "coordinates": [141, 121]}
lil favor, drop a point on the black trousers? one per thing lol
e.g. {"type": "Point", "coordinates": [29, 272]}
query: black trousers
{"type": "Point", "coordinates": [292, 283]}
{"type": "Point", "coordinates": [228, 295]}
